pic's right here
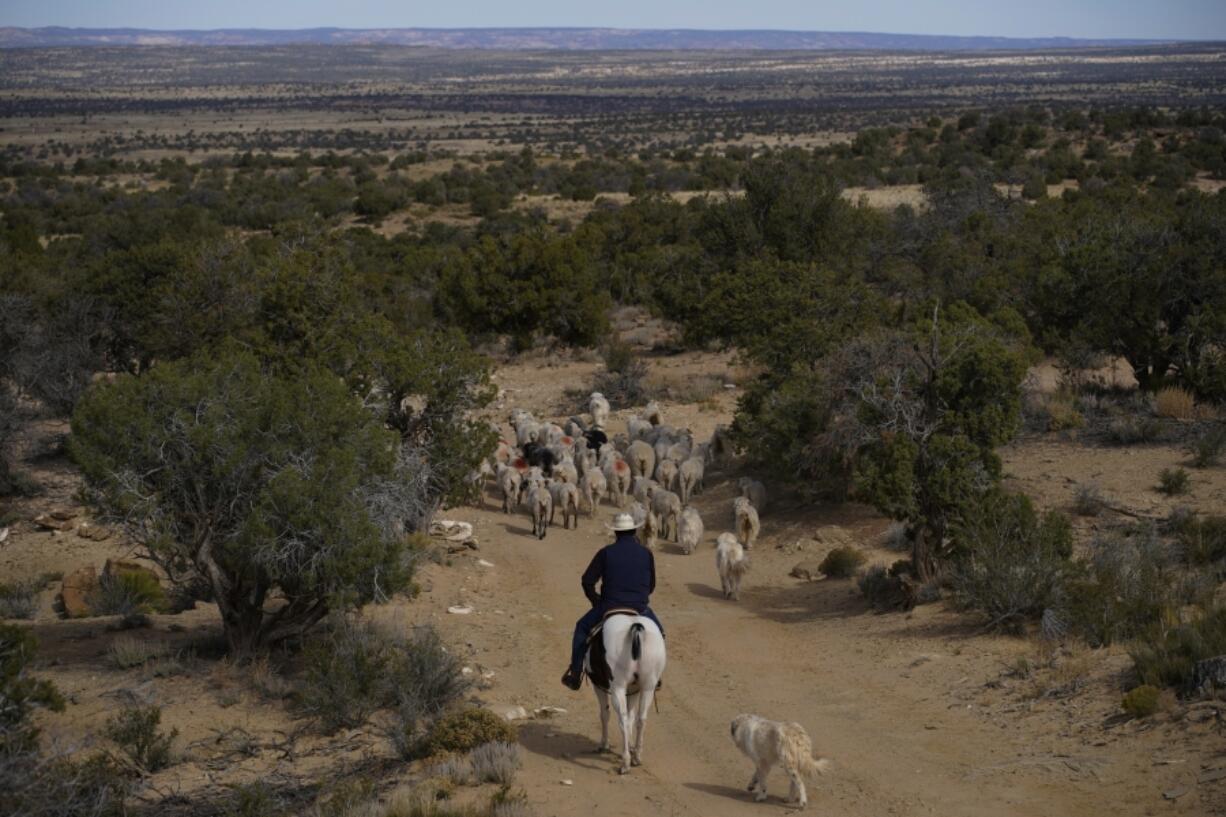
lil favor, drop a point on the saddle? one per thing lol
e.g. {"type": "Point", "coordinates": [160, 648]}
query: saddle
{"type": "Point", "coordinates": [597, 666]}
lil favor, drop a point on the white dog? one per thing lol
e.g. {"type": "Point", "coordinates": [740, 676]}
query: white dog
{"type": "Point", "coordinates": [769, 742]}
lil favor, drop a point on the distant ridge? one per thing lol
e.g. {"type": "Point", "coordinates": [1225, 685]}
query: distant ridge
{"type": "Point", "coordinates": [544, 38]}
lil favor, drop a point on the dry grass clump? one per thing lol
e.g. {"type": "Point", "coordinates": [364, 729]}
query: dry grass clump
{"type": "Point", "coordinates": [467, 729]}
{"type": "Point", "coordinates": [19, 599]}
{"type": "Point", "coordinates": [1088, 500]}
{"type": "Point", "coordinates": [128, 651]}
{"type": "Point", "coordinates": [1175, 403]}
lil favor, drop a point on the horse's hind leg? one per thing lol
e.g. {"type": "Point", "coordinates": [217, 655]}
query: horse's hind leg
{"type": "Point", "coordinates": [623, 718]}
{"type": "Point", "coordinates": [640, 724]}
{"type": "Point", "coordinates": [602, 700]}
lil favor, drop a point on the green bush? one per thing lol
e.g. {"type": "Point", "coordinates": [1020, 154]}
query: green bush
{"type": "Point", "coordinates": [1088, 500]}
{"type": "Point", "coordinates": [1173, 481]}
{"type": "Point", "coordinates": [1134, 430]}
{"type": "Point", "coordinates": [1202, 538]}
{"type": "Point", "coordinates": [467, 729]}
{"type": "Point", "coordinates": [19, 599]}
{"type": "Point", "coordinates": [1208, 448]}
{"type": "Point", "coordinates": [842, 562]}
{"type": "Point", "coordinates": [1126, 584]}
{"type": "Point", "coordinates": [135, 731]}
{"type": "Point", "coordinates": [1167, 657]}
{"type": "Point", "coordinates": [293, 472]}
{"type": "Point", "coordinates": [1011, 563]}
{"type": "Point", "coordinates": [1142, 701]}
{"type": "Point", "coordinates": [356, 669]}
{"type": "Point", "coordinates": [127, 593]}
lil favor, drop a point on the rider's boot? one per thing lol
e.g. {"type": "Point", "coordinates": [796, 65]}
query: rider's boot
{"type": "Point", "coordinates": [572, 679]}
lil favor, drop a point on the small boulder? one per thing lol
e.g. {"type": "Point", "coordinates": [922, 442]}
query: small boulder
{"type": "Point", "coordinates": [509, 712]}
{"type": "Point", "coordinates": [1210, 674]}
{"type": "Point", "coordinates": [808, 570]}
{"type": "Point", "coordinates": [76, 590]}
{"type": "Point", "coordinates": [49, 522]}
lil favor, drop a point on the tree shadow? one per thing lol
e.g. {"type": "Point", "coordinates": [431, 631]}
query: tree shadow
{"type": "Point", "coordinates": [807, 601]}
{"type": "Point", "coordinates": [570, 747]}
{"type": "Point", "coordinates": [705, 591]}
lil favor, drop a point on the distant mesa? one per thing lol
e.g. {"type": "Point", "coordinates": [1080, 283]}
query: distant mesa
{"type": "Point", "coordinates": [546, 38]}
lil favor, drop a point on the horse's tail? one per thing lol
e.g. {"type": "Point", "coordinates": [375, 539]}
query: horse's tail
{"type": "Point", "coordinates": [636, 644]}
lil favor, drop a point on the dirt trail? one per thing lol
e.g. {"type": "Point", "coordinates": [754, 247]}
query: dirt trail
{"type": "Point", "coordinates": [896, 702]}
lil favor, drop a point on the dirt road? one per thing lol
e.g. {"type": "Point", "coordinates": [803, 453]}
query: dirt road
{"type": "Point", "coordinates": [898, 703]}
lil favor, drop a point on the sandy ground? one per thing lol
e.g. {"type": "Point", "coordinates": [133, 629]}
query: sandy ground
{"type": "Point", "coordinates": [919, 713]}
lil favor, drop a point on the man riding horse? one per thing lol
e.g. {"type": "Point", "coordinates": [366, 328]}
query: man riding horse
{"type": "Point", "coordinates": [626, 572]}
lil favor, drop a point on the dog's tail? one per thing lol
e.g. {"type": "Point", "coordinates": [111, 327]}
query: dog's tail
{"type": "Point", "coordinates": [636, 642]}
{"type": "Point", "coordinates": [813, 766]}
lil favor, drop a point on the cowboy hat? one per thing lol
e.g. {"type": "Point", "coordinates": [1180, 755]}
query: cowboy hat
{"type": "Point", "coordinates": [623, 522]}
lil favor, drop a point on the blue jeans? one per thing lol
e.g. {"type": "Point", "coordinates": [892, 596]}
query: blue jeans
{"type": "Point", "coordinates": [584, 626]}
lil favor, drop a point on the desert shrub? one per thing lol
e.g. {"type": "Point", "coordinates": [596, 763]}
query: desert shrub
{"type": "Point", "coordinates": [1202, 538]}
{"type": "Point", "coordinates": [1175, 403]}
{"type": "Point", "coordinates": [1134, 430]}
{"type": "Point", "coordinates": [19, 599]}
{"type": "Point", "coordinates": [696, 388]}
{"type": "Point", "coordinates": [467, 729]}
{"type": "Point", "coordinates": [292, 472]}
{"type": "Point", "coordinates": [256, 799]}
{"type": "Point", "coordinates": [1088, 500]}
{"type": "Point", "coordinates": [896, 537]}
{"type": "Point", "coordinates": [1173, 481]}
{"type": "Point", "coordinates": [1125, 584]}
{"type": "Point", "coordinates": [349, 798]}
{"type": "Point", "coordinates": [135, 731]}
{"type": "Point", "coordinates": [127, 593]}
{"type": "Point", "coordinates": [1011, 562]}
{"type": "Point", "coordinates": [1167, 657]}
{"type": "Point", "coordinates": [1142, 701]}
{"type": "Point", "coordinates": [457, 770]}
{"type": "Point", "coordinates": [1207, 449]}
{"type": "Point", "coordinates": [1056, 412]}
{"type": "Point", "coordinates": [893, 588]}
{"type": "Point", "coordinates": [495, 762]}
{"type": "Point", "coordinates": [356, 669]}
{"type": "Point", "coordinates": [34, 783]}
{"type": "Point", "coordinates": [623, 380]}
{"type": "Point", "coordinates": [127, 651]}
{"type": "Point", "coordinates": [842, 562]}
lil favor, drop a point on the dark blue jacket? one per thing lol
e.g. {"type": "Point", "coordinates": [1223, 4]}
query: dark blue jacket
{"type": "Point", "coordinates": [626, 572]}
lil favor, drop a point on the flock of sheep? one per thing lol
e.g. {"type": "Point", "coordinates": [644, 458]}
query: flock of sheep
{"type": "Point", "coordinates": [654, 467]}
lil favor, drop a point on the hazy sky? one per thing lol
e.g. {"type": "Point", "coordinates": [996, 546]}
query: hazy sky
{"type": "Point", "coordinates": [1184, 19]}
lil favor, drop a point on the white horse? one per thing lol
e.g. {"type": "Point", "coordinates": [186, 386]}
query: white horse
{"type": "Point", "coordinates": [634, 653]}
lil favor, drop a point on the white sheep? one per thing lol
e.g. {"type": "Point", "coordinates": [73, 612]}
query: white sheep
{"type": "Point", "coordinates": [511, 483]}
{"type": "Point", "coordinates": [680, 450]}
{"type": "Point", "coordinates": [617, 477]}
{"type": "Point", "coordinates": [592, 486]}
{"type": "Point", "coordinates": [504, 453]}
{"type": "Point", "coordinates": [667, 506]}
{"type": "Point", "coordinates": [599, 408]}
{"type": "Point", "coordinates": [565, 496]}
{"type": "Point", "coordinates": [637, 428]}
{"type": "Point", "coordinates": [638, 513]}
{"type": "Point", "coordinates": [641, 488]}
{"type": "Point", "coordinates": [526, 432]}
{"type": "Point", "coordinates": [642, 459]}
{"type": "Point", "coordinates": [747, 525]}
{"type": "Point", "coordinates": [566, 471]}
{"type": "Point", "coordinates": [691, 530]}
{"type": "Point", "coordinates": [650, 529]}
{"type": "Point", "coordinates": [652, 413]}
{"type": "Point", "coordinates": [690, 476]}
{"type": "Point", "coordinates": [540, 501]}
{"type": "Point", "coordinates": [662, 445]}
{"type": "Point", "coordinates": [755, 491]}
{"type": "Point", "coordinates": [732, 564]}
{"type": "Point", "coordinates": [553, 434]}
{"type": "Point", "coordinates": [666, 473]}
